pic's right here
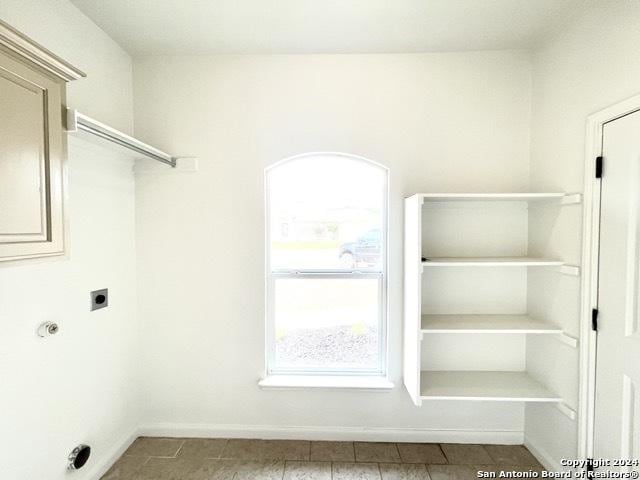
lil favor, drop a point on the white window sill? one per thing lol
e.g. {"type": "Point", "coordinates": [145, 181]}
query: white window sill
{"type": "Point", "coordinates": [294, 382]}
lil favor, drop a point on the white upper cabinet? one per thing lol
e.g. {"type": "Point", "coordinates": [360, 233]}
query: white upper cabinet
{"type": "Point", "coordinates": [32, 148]}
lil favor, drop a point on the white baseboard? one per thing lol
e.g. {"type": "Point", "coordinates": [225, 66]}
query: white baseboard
{"type": "Point", "coordinates": [503, 437]}
{"type": "Point", "coordinates": [114, 454]}
{"type": "Point", "coordinates": [544, 457]}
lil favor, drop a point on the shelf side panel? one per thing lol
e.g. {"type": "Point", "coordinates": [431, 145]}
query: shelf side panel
{"type": "Point", "coordinates": [412, 295]}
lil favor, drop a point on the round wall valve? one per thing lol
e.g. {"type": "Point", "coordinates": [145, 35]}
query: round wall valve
{"type": "Point", "coordinates": [48, 328]}
{"type": "Point", "coordinates": [79, 456]}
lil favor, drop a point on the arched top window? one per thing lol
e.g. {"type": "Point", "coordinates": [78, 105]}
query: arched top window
{"type": "Point", "coordinates": [326, 265]}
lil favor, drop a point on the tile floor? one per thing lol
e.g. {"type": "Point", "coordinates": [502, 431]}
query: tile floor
{"type": "Point", "coordinates": [238, 459]}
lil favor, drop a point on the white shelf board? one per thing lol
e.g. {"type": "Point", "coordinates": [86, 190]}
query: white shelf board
{"type": "Point", "coordinates": [483, 386]}
{"type": "Point", "coordinates": [485, 324]}
{"type": "Point", "coordinates": [491, 262]}
{"type": "Point", "coordinates": [483, 197]}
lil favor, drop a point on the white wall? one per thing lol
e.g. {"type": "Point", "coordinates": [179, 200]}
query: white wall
{"type": "Point", "coordinates": [440, 122]}
{"type": "Point", "coordinates": [80, 385]}
{"type": "Point", "coordinates": [590, 64]}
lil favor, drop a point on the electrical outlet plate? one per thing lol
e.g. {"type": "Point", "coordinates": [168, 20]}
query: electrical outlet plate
{"type": "Point", "coordinates": [99, 299]}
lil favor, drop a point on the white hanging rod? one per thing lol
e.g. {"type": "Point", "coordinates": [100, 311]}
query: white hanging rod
{"type": "Point", "coordinates": [77, 121]}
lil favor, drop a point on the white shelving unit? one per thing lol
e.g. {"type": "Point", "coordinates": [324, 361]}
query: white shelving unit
{"type": "Point", "coordinates": [466, 263]}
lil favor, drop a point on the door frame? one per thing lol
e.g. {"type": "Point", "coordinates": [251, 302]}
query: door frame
{"type": "Point", "coordinates": [590, 257]}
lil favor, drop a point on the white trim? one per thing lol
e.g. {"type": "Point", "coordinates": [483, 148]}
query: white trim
{"type": "Point", "coordinates": [379, 434]}
{"type": "Point", "coordinates": [20, 44]}
{"type": "Point", "coordinates": [544, 457]}
{"type": "Point", "coordinates": [350, 382]}
{"type": "Point", "coordinates": [590, 250]}
{"type": "Point", "coordinates": [114, 453]}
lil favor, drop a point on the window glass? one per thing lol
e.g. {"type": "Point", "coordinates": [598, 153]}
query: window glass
{"type": "Point", "coordinates": [327, 323]}
{"type": "Point", "coordinates": [326, 214]}
{"type": "Point", "coordinates": [326, 260]}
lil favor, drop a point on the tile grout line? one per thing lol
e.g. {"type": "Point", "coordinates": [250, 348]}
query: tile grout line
{"type": "Point", "coordinates": [219, 457]}
{"type": "Point", "coordinates": [484, 447]}
{"type": "Point", "coordinates": [444, 454]}
{"type": "Point", "coordinates": [180, 448]}
{"type": "Point", "coordinates": [398, 452]}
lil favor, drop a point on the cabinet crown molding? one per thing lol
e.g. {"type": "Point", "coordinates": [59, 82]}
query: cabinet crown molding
{"type": "Point", "coordinates": [16, 42]}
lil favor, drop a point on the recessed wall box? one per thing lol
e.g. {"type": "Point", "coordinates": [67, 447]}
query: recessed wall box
{"type": "Point", "coordinates": [99, 299]}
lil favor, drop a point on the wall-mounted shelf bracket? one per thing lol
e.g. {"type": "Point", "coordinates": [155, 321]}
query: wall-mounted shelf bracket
{"type": "Point", "coordinates": [567, 339]}
{"type": "Point", "coordinates": [571, 199]}
{"type": "Point", "coordinates": [566, 410]}
{"type": "Point", "coordinates": [572, 270]}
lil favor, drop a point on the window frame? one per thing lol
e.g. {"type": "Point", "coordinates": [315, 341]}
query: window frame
{"type": "Point", "coordinates": [271, 275]}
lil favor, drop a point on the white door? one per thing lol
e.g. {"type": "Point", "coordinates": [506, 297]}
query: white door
{"type": "Point", "coordinates": [617, 422]}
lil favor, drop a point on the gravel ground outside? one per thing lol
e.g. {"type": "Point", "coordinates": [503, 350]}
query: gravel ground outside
{"type": "Point", "coordinates": [341, 346]}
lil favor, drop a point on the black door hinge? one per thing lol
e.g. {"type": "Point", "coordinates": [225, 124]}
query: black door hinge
{"type": "Point", "coordinates": [599, 161]}
{"type": "Point", "coordinates": [594, 319]}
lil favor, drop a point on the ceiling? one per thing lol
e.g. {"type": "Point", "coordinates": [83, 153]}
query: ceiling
{"type": "Point", "coordinates": [152, 27]}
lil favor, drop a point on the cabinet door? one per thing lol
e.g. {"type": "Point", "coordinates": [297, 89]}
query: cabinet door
{"type": "Point", "coordinates": [32, 150]}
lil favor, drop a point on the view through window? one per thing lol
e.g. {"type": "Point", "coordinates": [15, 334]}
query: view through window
{"type": "Point", "coordinates": [326, 261]}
